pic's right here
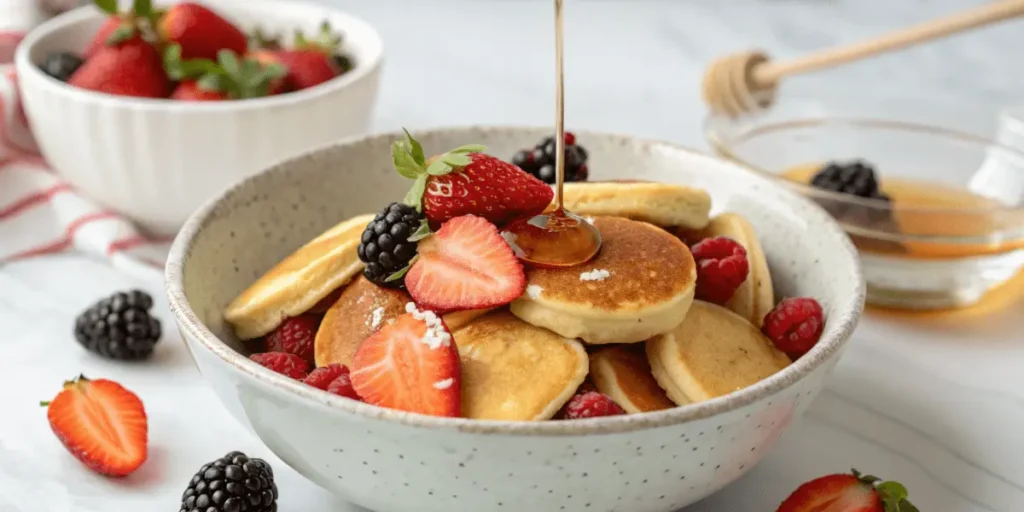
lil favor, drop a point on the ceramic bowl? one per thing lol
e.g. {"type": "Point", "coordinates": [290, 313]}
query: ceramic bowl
{"type": "Point", "coordinates": [391, 461]}
{"type": "Point", "coordinates": [157, 160]}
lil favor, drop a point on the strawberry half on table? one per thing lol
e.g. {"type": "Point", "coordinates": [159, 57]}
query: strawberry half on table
{"type": "Point", "coordinates": [465, 181]}
{"type": "Point", "coordinates": [851, 492]}
{"type": "Point", "coordinates": [411, 365]}
{"type": "Point", "coordinates": [102, 424]}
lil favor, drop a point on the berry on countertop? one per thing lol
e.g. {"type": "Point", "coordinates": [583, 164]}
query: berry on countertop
{"type": "Point", "coordinates": [466, 181]}
{"type": "Point", "coordinates": [102, 424]}
{"type": "Point", "coordinates": [132, 68]}
{"type": "Point", "coordinates": [122, 26]}
{"type": "Point", "coordinates": [388, 244]}
{"type": "Point", "coordinates": [855, 178]}
{"type": "Point", "coordinates": [229, 78]}
{"type": "Point", "coordinates": [794, 325]}
{"type": "Point", "coordinates": [119, 327]}
{"type": "Point", "coordinates": [722, 267]}
{"type": "Point", "coordinates": [290, 365]}
{"type": "Point", "coordinates": [590, 404]}
{"type": "Point", "coordinates": [295, 335]}
{"type": "Point", "coordinates": [410, 365]}
{"type": "Point", "coordinates": [342, 386]}
{"type": "Point", "coordinates": [232, 483]}
{"type": "Point", "coordinates": [848, 493]}
{"type": "Point", "coordinates": [61, 65]}
{"type": "Point", "coordinates": [201, 32]}
{"type": "Point", "coordinates": [465, 265]}
{"type": "Point", "coordinates": [322, 377]}
{"type": "Point", "coordinates": [540, 160]}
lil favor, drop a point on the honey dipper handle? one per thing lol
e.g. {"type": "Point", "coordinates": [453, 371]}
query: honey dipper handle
{"type": "Point", "coordinates": [771, 72]}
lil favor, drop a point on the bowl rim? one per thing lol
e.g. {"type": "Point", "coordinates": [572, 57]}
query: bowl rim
{"type": "Point", "coordinates": [366, 66]}
{"type": "Point", "coordinates": [839, 327]}
{"type": "Point", "coordinates": [723, 143]}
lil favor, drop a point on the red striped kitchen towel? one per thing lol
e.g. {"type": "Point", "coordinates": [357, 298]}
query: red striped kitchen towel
{"type": "Point", "coordinates": [40, 213]}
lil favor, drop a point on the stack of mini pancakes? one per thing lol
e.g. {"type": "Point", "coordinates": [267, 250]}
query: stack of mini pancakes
{"type": "Point", "coordinates": [626, 320]}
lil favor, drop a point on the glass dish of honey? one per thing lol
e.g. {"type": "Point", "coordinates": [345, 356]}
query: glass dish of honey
{"type": "Point", "coordinates": [947, 223]}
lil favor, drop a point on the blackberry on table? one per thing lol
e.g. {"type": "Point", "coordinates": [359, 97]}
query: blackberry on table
{"type": "Point", "coordinates": [119, 327]}
{"type": "Point", "coordinates": [855, 178]}
{"type": "Point", "coordinates": [61, 65]}
{"type": "Point", "coordinates": [540, 160]}
{"type": "Point", "coordinates": [388, 244]}
{"type": "Point", "coordinates": [232, 483]}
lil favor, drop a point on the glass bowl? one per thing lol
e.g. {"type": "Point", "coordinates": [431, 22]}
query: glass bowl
{"type": "Point", "coordinates": [954, 228]}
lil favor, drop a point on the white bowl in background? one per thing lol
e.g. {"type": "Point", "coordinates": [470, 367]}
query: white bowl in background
{"type": "Point", "coordinates": [393, 461]}
{"type": "Point", "coordinates": [157, 160]}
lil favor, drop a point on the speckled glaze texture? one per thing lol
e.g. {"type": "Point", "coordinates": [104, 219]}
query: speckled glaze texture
{"type": "Point", "coordinates": [390, 461]}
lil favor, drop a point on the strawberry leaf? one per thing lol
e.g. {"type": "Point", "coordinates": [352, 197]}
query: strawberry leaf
{"type": "Point", "coordinates": [401, 273]}
{"type": "Point", "coordinates": [212, 82]}
{"type": "Point", "coordinates": [906, 506]}
{"type": "Point", "coordinates": [456, 159]}
{"type": "Point", "coordinates": [404, 161]}
{"type": "Point", "coordinates": [439, 168]}
{"type": "Point", "coordinates": [470, 148]}
{"type": "Point", "coordinates": [415, 148]}
{"type": "Point", "coordinates": [122, 33]}
{"type": "Point", "coordinates": [107, 6]}
{"type": "Point", "coordinates": [421, 232]}
{"type": "Point", "coordinates": [414, 197]}
{"type": "Point", "coordinates": [142, 8]}
{"type": "Point", "coordinates": [229, 61]}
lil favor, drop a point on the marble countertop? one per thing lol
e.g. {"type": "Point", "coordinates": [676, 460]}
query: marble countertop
{"type": "Point", "coordinates": [936, 402]}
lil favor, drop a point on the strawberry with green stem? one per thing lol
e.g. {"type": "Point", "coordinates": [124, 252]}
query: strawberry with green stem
{"type": "Point", "coordinates": [310, 62]}
{"type": "Point", "coordinates": [201, 32]}
{"type": "Point", "coordinates": [229, 77]}
{"type": "Point", "coordinates": [851, 492]}
{"type": "Point", "coordinates": [120, 27]}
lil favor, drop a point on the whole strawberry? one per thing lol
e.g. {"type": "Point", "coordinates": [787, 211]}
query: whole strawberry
{"type": "Point", "coordinates": [201, 32]}
{"type": "Point", "coordinates": [465, 181]}
{"type": "Point", "coordinates": [121, 26]}
{"type": "Point", "coordinates": [132, 68]}
{"type": "Point", "coordinates": [848, 493]}
{"type": "Point", "coordinates": [227, 78]}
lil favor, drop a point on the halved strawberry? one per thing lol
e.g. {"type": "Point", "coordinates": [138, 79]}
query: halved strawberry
{"type": "Point", "coordinates": [102, 424]}
{"type": "Point", "coordinates": [465, 181]}
{"type": "Point", "coordinates": [410, 365]}
{"type": "Point", "coordinates": [848, 493]}
{"type": "Point", "coordinates": [465, 265]}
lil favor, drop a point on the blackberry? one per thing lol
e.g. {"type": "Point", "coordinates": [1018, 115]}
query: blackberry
{"type": "Point", "coordinates": [388, 243]}
{"type": "Point", "coordinates": [540, 160]}
{"type": "Point", "coordinates": [855, 178]}
{"type": "Point", "coordinates": [119, 326]}
{"type": "Point", "coordinates": [61, 65]}
{"type": "Point", "coordinates": [232, 483]}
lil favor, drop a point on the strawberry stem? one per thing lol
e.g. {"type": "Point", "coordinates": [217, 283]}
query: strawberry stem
{"type": "Point", "coordinates": [408, 158]}
{"type": "Point", "coordinates": [44, 403]}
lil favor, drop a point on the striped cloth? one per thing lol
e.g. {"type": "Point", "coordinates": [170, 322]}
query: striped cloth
{"type": "Point", "coordinates": [40, 213]}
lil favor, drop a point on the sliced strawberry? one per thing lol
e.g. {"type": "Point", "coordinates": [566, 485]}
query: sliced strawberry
{"type": "Point", "coordinates": [410, 365]}
{"type": "Point", "coordinates": [848, 493]}
{"type": "Point", "coordinates": [465, 265]}
{"type": "Point", "coordinates": [102, 424]}
{"type": "Point", "coordinates": [465, 181]}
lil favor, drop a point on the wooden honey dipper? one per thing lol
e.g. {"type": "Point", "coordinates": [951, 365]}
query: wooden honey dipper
{"type": "Point", "coordinates": [745, 81]}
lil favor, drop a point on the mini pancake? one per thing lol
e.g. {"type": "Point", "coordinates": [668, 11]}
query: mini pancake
{"type": "Point", "coordinates": [755, 297]}
{"type": "Point", "coordinates": [640, 284]}
{"type": "Point", "coordinates": [361, 310]}
{"type": "Point", "coordinates": [299, 281]}
{"type": "Point", "coordinates": [514, 371]}
{"type": "Point", "coordinates": [623, 373]}
{"type": "Point", "coordinates": [660, 204]}
{"type": "Point", "coordinates": [712, 353]}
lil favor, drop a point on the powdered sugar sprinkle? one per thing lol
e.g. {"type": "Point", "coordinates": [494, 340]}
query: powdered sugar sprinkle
{"type": "Point", "coordinates": [444, 384]}
{"type": "Point", "coordinates": [436, 335]}
{"type": "Point", "coordinates": [598, 274]}
{"type": "Point", "coordinates": [375, 317]}
{"type": "Point", "coordinates": [534, 291]}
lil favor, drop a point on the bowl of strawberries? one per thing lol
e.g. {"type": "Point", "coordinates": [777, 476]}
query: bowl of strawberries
{"type": "Point", "coordinates": [151, 109]}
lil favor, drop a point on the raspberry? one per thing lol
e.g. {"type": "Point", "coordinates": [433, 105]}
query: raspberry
{"type": "Point", "coordinates": [342, 386]}
{"type": "Point", "coordinates": [296, 335]}
{"type": "Point", "coordinates": [795, 325]}
{"type": "Point", "coordinates": [721, 268]}
{"type": "Point", "coordinates": [322, 377]}
{"type": "Point", "coordinates": [285, 364]}
{"type": "Point", "coordinates": [591, 404]}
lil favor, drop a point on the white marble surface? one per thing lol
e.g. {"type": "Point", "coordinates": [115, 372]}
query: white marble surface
{"type": "Point", "coordinates": [938, 406]}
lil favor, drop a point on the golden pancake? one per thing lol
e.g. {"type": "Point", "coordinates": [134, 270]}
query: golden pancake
{"type": "Point", "coordinates": [299, 281]}
{"type": "Point", "coordinates": [623, 373]}
{"type": "Point", "coordinates": [755, 297]}
{"type": "Point", "coordinates": [361, 310]}
{"type": "Point", "coordinates": [639, 284]}
{"type": "Point", "coordinates": [660, 204]}
{"type": "Point", "coordinates": [514, 371]}
{"type": "Point", "coordinates": [712, 353]}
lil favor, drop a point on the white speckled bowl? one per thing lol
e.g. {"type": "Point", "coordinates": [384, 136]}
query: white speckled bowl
{"type": "Point", "coordinates": [388, 460]}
